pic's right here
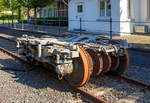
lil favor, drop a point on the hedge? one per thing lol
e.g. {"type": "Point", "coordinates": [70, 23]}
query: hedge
{"type": "Point", "coordinates": [52, 21]}
{"type": "Point", "coordinates": [7, 16]}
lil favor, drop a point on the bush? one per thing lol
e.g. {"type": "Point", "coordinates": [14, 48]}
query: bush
{"type": "Point", "coordinates": [22, 21]}
{"type": "Point", "coordinates": [53, 21]}
{"type": "Point", "coordinates": [7, 16]}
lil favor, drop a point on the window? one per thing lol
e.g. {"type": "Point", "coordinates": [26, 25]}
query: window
{"type": "Point", "coordinates": [105, 8]}
{"type": "Point", "coordinates": [80, 8]}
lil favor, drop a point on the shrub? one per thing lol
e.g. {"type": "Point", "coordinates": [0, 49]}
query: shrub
{"type": "Point", "coordinates": [7, 16]}
{"type": "Point", "coordinates": [53, 21]}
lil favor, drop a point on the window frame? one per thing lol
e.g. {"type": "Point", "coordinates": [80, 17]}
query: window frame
{"type": "Point", "coordinates": [105, 9]}
{"type": "Point", "coordinates": [78, 7]}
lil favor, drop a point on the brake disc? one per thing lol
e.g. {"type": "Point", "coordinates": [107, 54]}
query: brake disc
{"type": "Point", "coordinates": [81, 70]}
{"type": "Point", "coordinates": [97, 61]}
{"type": "Point", "coordinates": [106, 62]}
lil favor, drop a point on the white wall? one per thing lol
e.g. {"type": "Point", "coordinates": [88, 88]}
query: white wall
{"type": "Point", "coordinates": [144, 13]}
{"type": "Point", "coordinates": [92, 21]}
{"type": "Point", "coordinates": [120, 12]}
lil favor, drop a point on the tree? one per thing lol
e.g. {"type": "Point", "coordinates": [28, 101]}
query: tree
{"type": "Point", "coordinates": [10, 5]}
{"type": "Point", "coordinates": [34, 4]}
{"type": "Point", "coordinates": [39, 4]}
{"type": "Point", "coordinates": [2, 6]}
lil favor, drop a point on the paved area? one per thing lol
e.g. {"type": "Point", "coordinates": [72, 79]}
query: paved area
{"type": "Point", "coordinates": [139, 68]}
{"type": "Point", "coordinates": [37, 28]}
{"type": "Point", "coordinates": [137, 40]}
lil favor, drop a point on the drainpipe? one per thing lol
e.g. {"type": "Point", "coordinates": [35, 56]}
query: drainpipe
{"type": "Point", "coordinates": [65, 2]}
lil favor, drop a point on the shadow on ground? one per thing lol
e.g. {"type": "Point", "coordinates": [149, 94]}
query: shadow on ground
{"type": "Point", "coordinates": [34, 77]}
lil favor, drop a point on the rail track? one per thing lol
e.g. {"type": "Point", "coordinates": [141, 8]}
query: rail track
{"type": "Point", "coordinates": [82, 91]}
{"type": "Point", "coordinates": [13, 52]}
{"type": "Point", "coordinates": [85, 93]}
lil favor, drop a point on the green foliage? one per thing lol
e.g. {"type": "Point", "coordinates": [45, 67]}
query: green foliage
{"type": "Point", "coordinates": [7, 16]}
{"type": "Point", "coordinates": [22, 21]}
{"type": "Point", "coordinates": [35, 3]}
{"type": "Point", "coordinates": [52, 21]}
{"type": "Point", "coordinates": [40, 3]}
{"type": "Point", "coordinates": [10, 4]}
{"type": "Point", "coordinates": [2, 8]}
{"type": "Point", "coordinates": [53, 18]}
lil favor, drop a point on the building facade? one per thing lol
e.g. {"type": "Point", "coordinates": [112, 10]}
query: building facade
{"type": "Point", "coordinates": [57, 9]}
{"type": "Point", "coordinates": [94, 15]}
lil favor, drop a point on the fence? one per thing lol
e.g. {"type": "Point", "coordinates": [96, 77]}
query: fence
{"type": "Point", "coordinates": [36, 25]}
{"type": "Point", "coordinates": [100, 27]}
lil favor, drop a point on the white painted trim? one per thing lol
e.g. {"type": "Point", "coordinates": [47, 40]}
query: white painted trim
{"type": "Point", "coordinates": [148, 11]}
{"type": "Point", "coordinates": [103, 18]}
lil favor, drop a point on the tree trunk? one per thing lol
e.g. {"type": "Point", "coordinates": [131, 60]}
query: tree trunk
{"type": "Point", "coordinates": [19, 13]}
{"type": "Point", "coordinates": [35, 13]}
{"type": "Point", "coordinates": [28, 17]}
{"type": "Point", "coordinates": [12, 18]}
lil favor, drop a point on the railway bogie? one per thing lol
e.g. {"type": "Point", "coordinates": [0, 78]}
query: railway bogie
{"type": "Point", "coordinates": [76, 58]}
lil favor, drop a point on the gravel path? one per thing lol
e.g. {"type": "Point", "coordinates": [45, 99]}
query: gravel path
{"type": "Point", "coordinates": [11, 32]}
{"type": "Point", "coordinates": [139, 66]}
{"type": "Point", "coordinates": [117, 91]}
{"type": "Point", "coordinates": [139, 62]}
{"type": "Point", "coordinates": [6, 44]}
{"type": "Point", "coordinates": [36, 86]}
{"type": "Point", "coordinates": [109, 88]}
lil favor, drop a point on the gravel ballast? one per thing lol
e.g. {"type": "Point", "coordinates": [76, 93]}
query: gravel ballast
{"type": "Point", "coordinates": [35, 86]}
{"type": "Point", "coordinates": [39, 86]}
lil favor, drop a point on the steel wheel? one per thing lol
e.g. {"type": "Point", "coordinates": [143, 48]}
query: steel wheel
{"type": "Point", "coordinates": [81, 70]}
{"type": "Point", "coordinates": [123, 63]}
{"type": "Point", "coordinates": [114, 63]}
{"type": "Point", "coordinates": [97, 61]}
{"type": "Point", "coordinates": [123, 60]}
{"type": "Point", "coordinates": [90, 62]}
{"type": "Point", "coordinates": [106, 62]}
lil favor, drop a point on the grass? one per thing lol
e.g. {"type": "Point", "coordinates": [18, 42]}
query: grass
{"type": "Point", "coordinates": [137, 40]}
{"type": "Point", "coordinates": [6, 21]}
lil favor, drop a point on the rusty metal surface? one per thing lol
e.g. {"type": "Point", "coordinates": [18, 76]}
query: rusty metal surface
{"type": "Point", "coordinates": [90, 64]}
{"type": "Point", "coordinates": [106, 62]}
{"type": "Point", "coordinates": [93, 98]}
{"type": "Point", "coordinates": [13, 55]}
{"type": "Point", "coordinates": [123, 60]}
{"type": "Point", "coordinates": [114, 63]}
{"type": "Point", "coordinates": [97, 61]}
{"type": "Point", "coordinates": [133, 81]}
{"type": "Point", "coordinates": [123, 63]}
{"type": "Point", "coordinates": [81, 71]}
{"type": "Point", "coordinates": [86, 94]}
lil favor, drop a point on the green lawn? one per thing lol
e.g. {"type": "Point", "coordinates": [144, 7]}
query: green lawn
{"type": "Point", "coordinates": [6, 21]}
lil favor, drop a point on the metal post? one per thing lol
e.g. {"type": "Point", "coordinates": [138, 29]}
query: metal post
{"type": "Point", "coordinates": [8, 22]}
{"type": "Point", "coordinates": [14, 25]}
{"type": "Point", "coordinates": [80, 25]}
{"type": "Point", "coordinates": [110, 28]}
{"type": "Point", "coordinates": [22, 25]}
{"type": "Point", "coordinates": [59, 25]}
{"type": "Point", "coordinates": [3, 21]}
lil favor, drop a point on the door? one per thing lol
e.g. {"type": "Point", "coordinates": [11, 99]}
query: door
{"type": "Point", "coordinates": [79, 17]}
